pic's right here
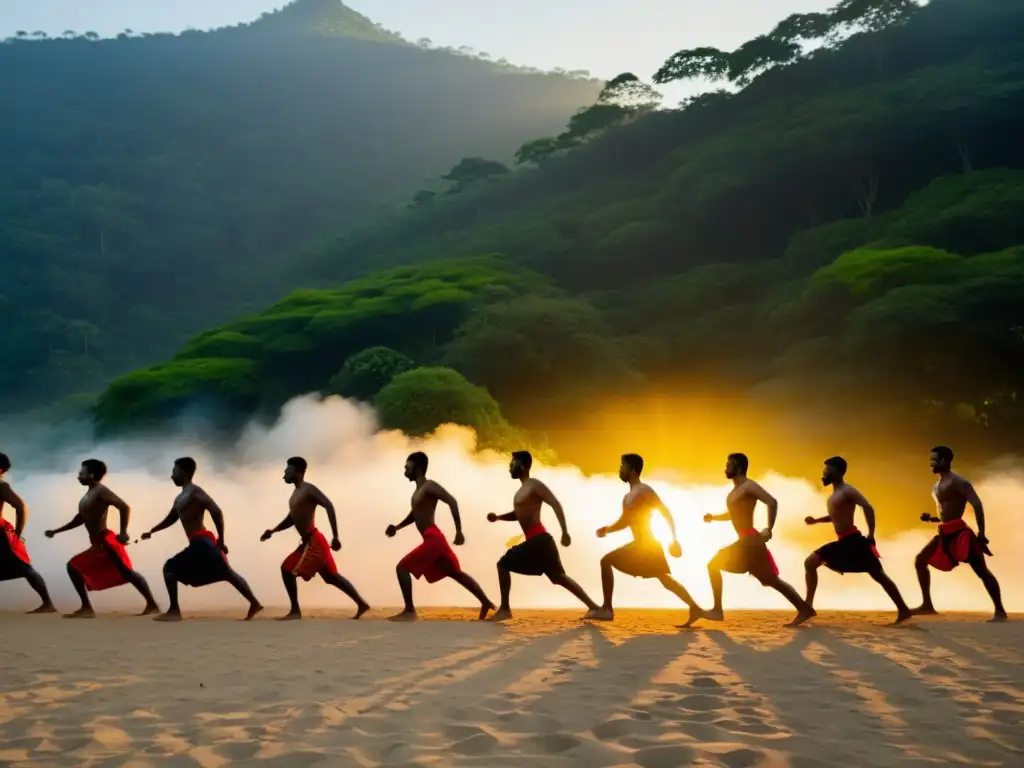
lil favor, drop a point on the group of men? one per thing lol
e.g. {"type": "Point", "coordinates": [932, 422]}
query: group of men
{"type": "Point", "coordinates": [106, 563]}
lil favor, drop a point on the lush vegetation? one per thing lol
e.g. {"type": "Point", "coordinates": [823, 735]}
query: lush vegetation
{"type": "Point", "coordinates": [154, 185]}
{"type": "Point", "coordinates": [840, 236]}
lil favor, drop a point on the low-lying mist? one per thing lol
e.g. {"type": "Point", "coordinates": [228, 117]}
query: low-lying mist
{"type": "Point", "coordinates": [360, 469]}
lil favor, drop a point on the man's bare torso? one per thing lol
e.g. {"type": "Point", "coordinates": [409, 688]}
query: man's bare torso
{"type": "Point", "coordinates": [526, 504]}
{"type": "Point", "coordinates": [302, 507]}
{"type": "Point", "coordinates": [190, 505]}
{"type": "Point", "coordinates": [93, 508]}
{"type": "Point", "coordinates": [841, 508]}
{"type": "Point", "coordinates": [424, 505]}
{"type": "Point", "coordinates": [949, 499]}
{"type": "Point", "coordinates": [741, 502]}
{"type": "Point", "coordinates": [637, 506]}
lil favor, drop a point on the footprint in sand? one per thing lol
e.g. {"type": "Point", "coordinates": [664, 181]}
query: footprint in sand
{"type": "Point", "coordinates": [554, 743]}
{"type": "Point", "coordinates": [664, 757]}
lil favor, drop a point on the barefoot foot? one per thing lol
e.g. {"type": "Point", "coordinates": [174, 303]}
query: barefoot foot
{"type": "Point", "coordinates": [290, 616]}
{"type": "Point", "coordinates": [599, 614]}
{"type": "Point", "coordinates": [924, 610]}
{"type": "Point", "coordinates": [715, 614]}
{"type": "Point", "coordinates": [696, 614]}
{"type": "Point", "coordinates": [361, 609]}
{"type": "Point", "coordinates": [502, 614]}
{"type": "Point", "coordinates": [81, 613]}
{"type": "Point", "coordinates": [150, 609]}
{"type": "Point", "coordinates": [486, 608]}
{"type": "Point", "coordinates": [999, 618]}
{"type": "Point", "coordinates": [902, 616]}
{"type": "Point", "coordinates": [404, 616]}
{"type": "Point", "coordinates": [44, 608]}
{"type": "Point", "coordinates": [169, 616]}
{"type": "Point", "coordinates": [254, 608]}
{"type": "Point", "coordinates": [803, 616]}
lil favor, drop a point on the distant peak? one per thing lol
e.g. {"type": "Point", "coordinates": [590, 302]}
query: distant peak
{"type": "Point", "coordinates": [326, 17]}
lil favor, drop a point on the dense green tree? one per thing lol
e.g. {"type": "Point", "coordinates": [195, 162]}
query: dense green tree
{"type": "Point", "coordinates": [471, 170]}
{"type": "Point", "coordinates": [420, 400]}
{"type": "Point", "coordinates": [367, 372]}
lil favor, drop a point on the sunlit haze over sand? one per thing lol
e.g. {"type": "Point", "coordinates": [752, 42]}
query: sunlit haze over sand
{"type": "Point", "coordinates": [360, 469]}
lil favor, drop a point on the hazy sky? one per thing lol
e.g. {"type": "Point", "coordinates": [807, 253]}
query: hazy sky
{"type": "Point", "coordinates": [609, 37]}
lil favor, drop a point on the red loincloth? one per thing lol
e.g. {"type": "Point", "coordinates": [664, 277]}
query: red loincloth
{"type": "Point", "coordinates": [14, 541]}
{"type": "Point", "coordinates": [429, 558]}
{"type": "Point", "coordinates": [313, 556]}
{"type": "Point", "coordinates": [853, 530]}
{"type": "Point", "coordinates": [537, 529]}
{"type": "Point", "coordinates": [98, 565]}
{"type": "Point", "coordinates": [771, 560]}
{"type": "Point", "coordinates": [955, 544]}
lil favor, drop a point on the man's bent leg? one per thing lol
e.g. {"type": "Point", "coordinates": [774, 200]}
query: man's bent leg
{"type": "Point", "coordinates": [902, 611]}
{"type": "Point", "coordinates": [980, 567]}
{"type": "Point", "coordinates": [565, 582]}
{"type": "Point", "coordinates": [291, 586]}
{"type": "Point", "coordinates": [405, 582]}
{"type": "Point", "coordinates": [804, 611]}
{"type": "Point", "coordinates": [715, 575]}
{"type": "Point", "coordinates": [924, 577]}
{"type": "Point", "coordinates": [811, 566]}
{"type": "Point", "coordinates": [35, 580]}
{"type": "Point", "coordinates": [171, 582]}
{"type": "Point", "coordinates": [504, 612]}
{"type": "Point", "coordinates": [86, 611]}
{"type": "Point", "coordinates": [137, 580]}
{"type": "Point", "coordinates": [467, 581]}
{"type": "Point", "coordinates": [339, 581]}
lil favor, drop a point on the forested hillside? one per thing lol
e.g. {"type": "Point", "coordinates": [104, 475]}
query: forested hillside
{"type": "Point", "coordinates": [838, 237]}
{"type": "Point", "coordinates": [153, 185]}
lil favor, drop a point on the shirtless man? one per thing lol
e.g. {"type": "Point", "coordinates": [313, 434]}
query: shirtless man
{"type": "Point", "coordinates": [313, 555]}
{"type": "Point", "coordinates": [955, 543]}
{"type": "Point", "coordinates": [538, 555]}
{"type": "Point", "coordinates": [105, 564]}
{"type": "Point", "coordinates": [14, 559]}
{"type": "Point", "coordinates": [434, 559]}
{"type": "Point", "coordinates": [749, 554]}
{"type": "Point", "coordinates": [204, 561]}
{"type": "Point", "coordinates": [852, 552]}
{"type": "Point", "coordinates": [643, 557]}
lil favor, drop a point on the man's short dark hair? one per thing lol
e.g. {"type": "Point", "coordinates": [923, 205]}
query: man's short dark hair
{"type": "Point", "coordinates": [741, 461]}
{"type": "Point", "coordinates": [944, 453]}
{"type": "Point", "coordinates": [96, 468]}
{"type": "Point", "coordinates": [524, 458]}
{"type": "Point", "coordinates": [5, 463]}
{"type": "Point", "coordinates": [838, 463]}
{"type": "Point", "coordinates": [187, 465]}
{"type": "Point", "coordinates": [299, 463]}
{"type": "Point", "coordinates": [419, 460]}
{"type": "Point", "coordinates": [634, 461]}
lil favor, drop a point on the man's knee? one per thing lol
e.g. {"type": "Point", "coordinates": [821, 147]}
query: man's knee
{"type": "Point", "coordinates": [813, 562]}
{"type": "Point", "coordinates": [921, 561]}
{"type": "Point", "coordinates": [606, 562]}
{"type": "Point", "coordinates": [169, 571]}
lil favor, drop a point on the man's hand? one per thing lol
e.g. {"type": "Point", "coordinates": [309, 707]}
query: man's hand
{"type": "Point", "coordinates": [766, 534]}
{"type": "Point", "coordinates": [336, 544]}
{"type": "Point", "coordinates": [222, 546]}
{"type": "Point", "coordinates": [810, 520]}
{"type": "Point", "coordinates": [266, 535]}
{"type": "Point", "coordinates": [390, 531]}
{"type": "Point", "coordinates": [459, 539]}
{"type": "Point", "coordinates": [49, 534]}
{"type": "Point", "coordinates": [566, 539]}
{"type": "Point", "coordinates": [147, 536]}
{"type": "Point", "coordinates": [927, 517]}
{"type": "Point", "coordinates": [675, 550]}
{"type": "Point", "coordinates": [492, 517]}
{"type": "Point", "coordinates": [602, 531]}
{"type": "Point", "coordinates": [708, 518]}
{"type": "Point", "coordinates": [122, 537]}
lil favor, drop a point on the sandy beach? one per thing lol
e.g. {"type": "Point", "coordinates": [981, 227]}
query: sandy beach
{"type": "Point", "coordinates": [542, 690]}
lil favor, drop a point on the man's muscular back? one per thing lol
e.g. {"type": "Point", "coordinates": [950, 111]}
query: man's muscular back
{"type": "Point", "coordinates": [191, 505]}
{"type": "Point", "coordinates": [424, 504]}
{"type": "Point", "coordinates": [741, 502]}
{"type": "Point", "coordinates": [951, 495]}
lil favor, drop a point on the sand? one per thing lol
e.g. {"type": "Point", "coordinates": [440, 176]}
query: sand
{"type": "Point", "coordinates": [544, 690]}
